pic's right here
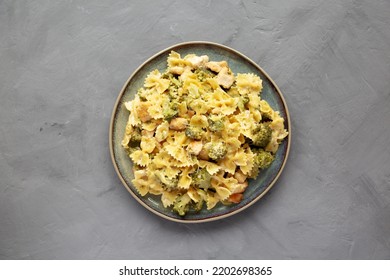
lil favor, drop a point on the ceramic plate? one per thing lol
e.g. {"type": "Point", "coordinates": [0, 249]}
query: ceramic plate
{"type": "Point", "coordinates": [239, 63]}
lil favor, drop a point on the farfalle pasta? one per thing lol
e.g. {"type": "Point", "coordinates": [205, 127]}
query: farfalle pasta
{"type": "Point", "coordinates": [197, 133]}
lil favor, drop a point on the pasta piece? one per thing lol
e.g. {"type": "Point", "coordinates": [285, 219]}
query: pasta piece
{"type": "Point", "coordinates": [227, 164]}
{"type": "Point", "coordinates": [223, 193]}
{"type": "Point", "coordinates": [171, 172]}
{"type": "Point", "coordinates": [154, 80]}
{"type": "Point", "coordinates": [125, 141]}
{"type": "Point", "coordinates": [194, 194]}
{"type": "Point", "coordinates": [177, 152]}
{"type": "Point", "coordinates": [248, 83]}
{"type": "Point", "coordinates": [133, 117]}
{"type": "Point", "coordinates": [249, 162]}
{"type": "Point", "coordinates": [140, 181]}
{"type": "Point", "coordinates": [212, 168]}
{"type": "Point", "coordinates": [149, 126]}
{"type": "Point", "coordinates": [140, 158]}
{"type": "Point", "coordinates": [211, 200]}
{"type": "Point", "coordinates": [175, 60]}
{"type": "Point", "coordinates": [148, 144]}
{"type": "Point", "coordinates": [168, 198]}
{"type": "Point", "coordinates": [240, 158]}
{"type": "Point", "coordinates": [199, 121]}
{"type": "Point", "coordinates": [222, 103]}
{"type": "Point", "coordinates": [162, 131]}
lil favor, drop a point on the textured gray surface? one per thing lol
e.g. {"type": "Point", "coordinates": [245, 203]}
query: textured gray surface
{"type": "Point", "coordinates": [63, 64]}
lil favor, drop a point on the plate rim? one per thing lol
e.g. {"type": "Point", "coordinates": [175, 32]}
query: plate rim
{"type": "Point", "coordinates": [221, 216]}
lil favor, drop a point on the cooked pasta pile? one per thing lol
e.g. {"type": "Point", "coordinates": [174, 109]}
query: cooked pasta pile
{"type": "Point", "coordinates": [196, 133]}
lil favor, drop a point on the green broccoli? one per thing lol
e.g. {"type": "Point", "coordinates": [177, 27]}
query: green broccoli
{"type": "Point", "coordinates": [167, 183]}
{"type": "Point", "coordinates": [263, 159]}
{"type": "Point", "coordinates": [142, 93]}
{"type": "Point", "coordinates": [216, 123]}
{"type": "Point", "coordinates": [170, 184]}
{"type": "Point", "coordinates": [262, 135]}
{"type": "Point", "coordinates": [203, 74]}
{"type": "Point", "coordinates": [202, 198]}
{"type": "Point", "coordinates": [172, 78]}
{"type": "Point", "coordinates": [131, 150]}
{"type": "Point", "coordinates": [170, 111]}
{"type": "Point", "coordinates": [201, 178]}
{"type": "Point", "coordinates": [198, 205]}
{"type": "Point", "coordinates": [266, 116]}
{"type": "Point", "coordinates": [217, 151]}
{"type": "Point", "coordinates": [254, 172]}
{"type": "Point", "coordinates": [194, 132]}
{"type": "Point", "coordinates": [135, 139]}
{"type": "Point", "coordinates": [173, 94]}
{"type": "Point", "coordinates": [182, 204]}
{"type": "Point", "coordinates": [175, 82]}
{"type": "Point", "coordinates": [242, 101]}
{"type": "Point", "coordinates": [166, 75]}
{"type": "Point", "coordinates": [174, 85]}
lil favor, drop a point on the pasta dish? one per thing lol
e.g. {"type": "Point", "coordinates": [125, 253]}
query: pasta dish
{"type": "Point", "coordinates": [197, 133]}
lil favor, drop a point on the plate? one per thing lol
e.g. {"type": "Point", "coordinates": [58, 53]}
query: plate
{"type": "Point", "coordinates": [239, 63]}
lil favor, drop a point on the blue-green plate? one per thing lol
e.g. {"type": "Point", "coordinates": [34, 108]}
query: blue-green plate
{"type": "Point", "coordinates": [239, 63]}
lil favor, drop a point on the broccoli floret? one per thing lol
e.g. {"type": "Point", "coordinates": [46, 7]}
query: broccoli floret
{"type": "Point", "coordinates": [203, 74]}
{"type": "Point", "coordinates": [245, 99]}
{"type": "Point", "coordinates": [131, 150]}
{"type": "Point", "coordinates": [198, 205]}
{"type": "Point", "coordinates": [263, 159]}
{"type": "Point", "coordinates": [242, 101]}
{"type": "Point", "coordinates": [182, 204]}
{"type": "Point", "coordinates": [262, 135]}
{"type": "Point", "coordinates": [201, 178]}
{"type": "Point", "coordinates": [135, 139]}
{"type": "Point", "coordinates": [266, 117]}
{"type": "Point", "coordinates": [166, 75]}
{"type": "Point", "coordinates": [254, 172]}
{"type": "Point", "coordinates": [217, 151]}
{"type": "Point", "coordinates": [194, 132]}
{"type": "Point", "coordinates": [175, 82]}
{"type": "Point", "coordinates": [216, 124]}
{"type": "Point", "coordinates": [170, 111]}
{"type": "Point", "coordinates": [142, 93]}
{"type": "Point", "coordinates": [170, 184]}
{"type": "Point", "coordinates": [167, 183]}
{"type": "Point", "coordinates": [174, 85]}
{"type": "Point", "coordinates": [172, 78]}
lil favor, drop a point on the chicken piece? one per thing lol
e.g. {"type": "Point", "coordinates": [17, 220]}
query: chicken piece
{"type": "Point", "coordinates": [190, 113]}
{"type": "Point", "coordinates": [241, 178]}
{"type": "Point", "coordinates": [240, 188]}
{"type": "Point", "coordinates": [235, 198]}
{"type": "Point", "coordinates": [178, 124]}
{"type": "Point", "coordinates": [142, 111]}
{"type": "Point", "coordinates": [216, 66]}
{"type": "Point", "coordinates": [195, 147]}
{"type": "Point", "coordinates": [203, 154]}
{"type": "Point", "coordinates": [148, 134]}
{"type": "Point", "coordinates": [198, 61]}
{"type": "Point", "coordinates": [177, 70]}
{"type": "Point", "coordinates": [224, 78]}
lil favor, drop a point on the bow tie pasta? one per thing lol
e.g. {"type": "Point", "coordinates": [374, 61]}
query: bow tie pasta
{"type": "Point", "coordinates": [196, 133]}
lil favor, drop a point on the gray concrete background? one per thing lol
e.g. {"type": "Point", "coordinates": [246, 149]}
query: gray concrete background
{"type": "Point", "coordinates": [63, 63]}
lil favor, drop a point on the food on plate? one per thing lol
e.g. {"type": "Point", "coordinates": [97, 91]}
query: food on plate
{"type": "Point", "coordinates": [197, 133]}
